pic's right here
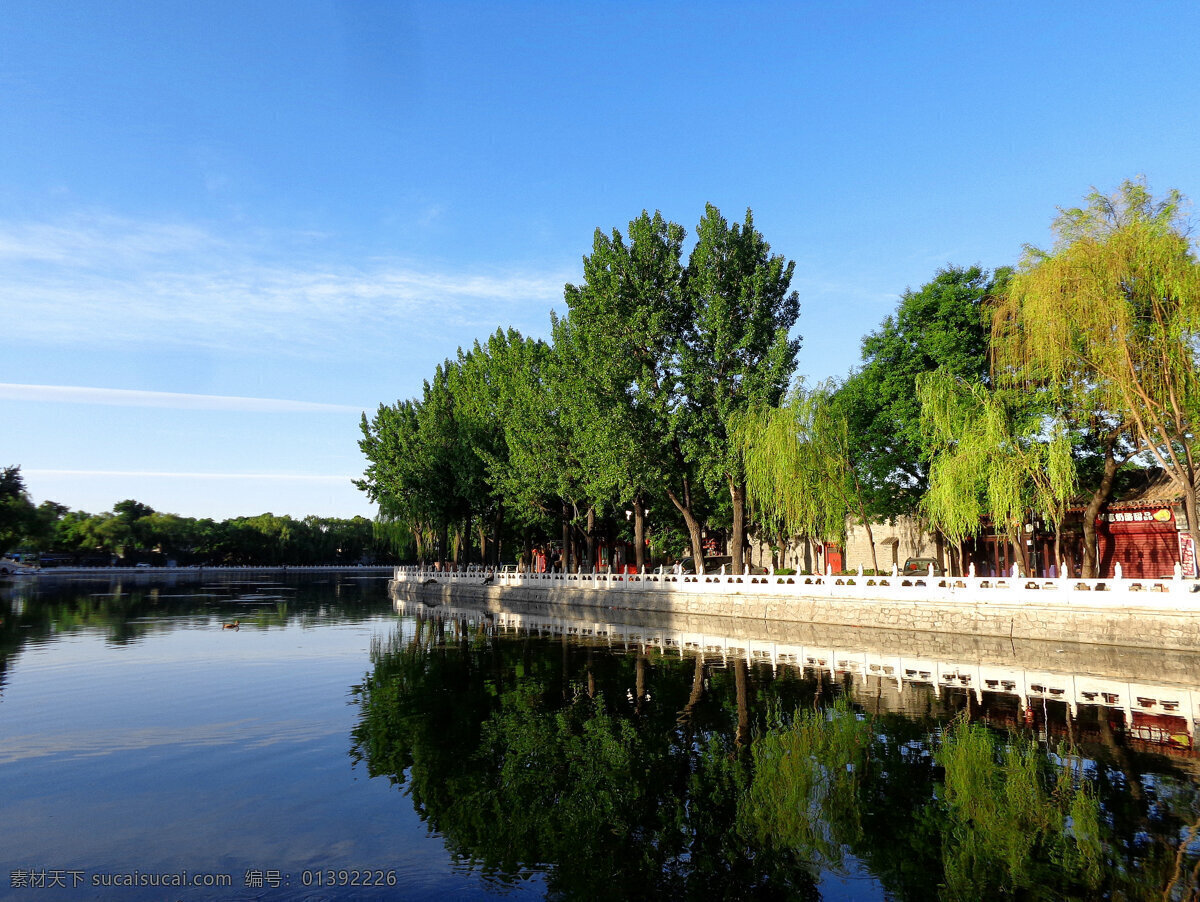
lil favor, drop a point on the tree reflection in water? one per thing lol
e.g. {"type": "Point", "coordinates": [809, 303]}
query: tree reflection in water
{"type": "Point", "coordinates": [626, 774]}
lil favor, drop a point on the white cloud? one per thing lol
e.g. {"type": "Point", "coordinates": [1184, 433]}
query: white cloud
{"type": "Point", "coordinates": [119, 397]}
{"type": "Point", "coordinates": [105, 281]}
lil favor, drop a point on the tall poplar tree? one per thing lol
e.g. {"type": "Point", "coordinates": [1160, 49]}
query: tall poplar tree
{"type": "Point", "coordinates": [417, 460]}
{"type": "Point", "coordinates": [739, 352]}
{"type": "Point", "coordinates": [620, 347]}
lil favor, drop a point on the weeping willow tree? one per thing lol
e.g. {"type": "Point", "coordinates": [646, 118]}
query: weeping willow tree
{"type": "Point", "coordinates": [399, 536]}
{"type": "Point", "coordinates": [992, 455]}
{"type": "Point", "coordinates": [1111, 319]}
{"type": "Point", "coordinates": [800, 473]}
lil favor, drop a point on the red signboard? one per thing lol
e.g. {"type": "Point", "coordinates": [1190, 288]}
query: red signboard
{"type": "Point", "coordinates": [1187, 554]}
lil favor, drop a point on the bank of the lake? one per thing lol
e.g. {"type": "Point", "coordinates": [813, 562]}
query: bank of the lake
{"type": "Point", "coordinates": [1141, 613]}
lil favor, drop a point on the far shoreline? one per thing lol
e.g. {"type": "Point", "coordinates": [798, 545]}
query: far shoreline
{"type": "Point", "coordinates": [50, 572]}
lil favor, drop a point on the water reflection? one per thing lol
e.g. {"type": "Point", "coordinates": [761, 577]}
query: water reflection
{"type": "Point", "coordinates": [638, 758]}
{"type": "Point", "coordinates": [129, 609]}
{"type": "Point", "coordinates": [138, 736]}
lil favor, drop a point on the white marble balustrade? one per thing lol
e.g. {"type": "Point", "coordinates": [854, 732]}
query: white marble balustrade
{"type": "Point", "coordinates": [1165, 593]}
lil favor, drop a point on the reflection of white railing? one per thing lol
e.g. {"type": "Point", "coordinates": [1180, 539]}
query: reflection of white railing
{"type": "Point", "coordinates": [1032, 687]}
{"type": "Point", "coordinates": [1165, 593]}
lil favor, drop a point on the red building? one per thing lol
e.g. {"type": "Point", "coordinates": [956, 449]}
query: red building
{"type": "Point", "coordinates": [1145, 532]}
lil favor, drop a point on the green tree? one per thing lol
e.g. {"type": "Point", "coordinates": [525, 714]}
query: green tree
{"type": "Point", "coordinates": [620, 385]}
{"type": "Point", "coordinates": [943, 325]}
{"type": "Point", "coordinates": [501, 394]}
{"type": "Point", "coordinates": [414, 453]}
{"type": "Point", "coordinates": [1110, 319]}
{"type": "Point", "coordinates": [991, 454]}
{"type": "Point", "coordinates": [801, 473]}
{"type": "Point", "coordinates": [17, 512]}
{"type": "Point", "coordinates": [738, 352]}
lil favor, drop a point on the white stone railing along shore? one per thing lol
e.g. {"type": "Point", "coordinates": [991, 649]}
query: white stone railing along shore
{"type": "Point", "coordinates": [1166, 593]}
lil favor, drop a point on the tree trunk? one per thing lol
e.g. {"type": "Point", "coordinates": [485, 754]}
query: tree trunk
{"type": "Point", "coordinates": [590, 545]}
{"type": "Point", "coordinates": [639, 533]}
{"type": "Point", "coordinates": [640, 682]}
{"type": "Point", "coordinates": [565, 645]}
{"type": "Point", "coordinates": [1193, 513]}
{"type": "Point", "coordinates": [1091, 567]}
{"type": "Point", "coordinates": [498, 527]}
{"type": "Point", "coordinates": [871, 540]}
{"type": "Point", "coordinates": [693, 528]}
{"type": "Point", "coordinates": [444, 545]}
{"type": "Point", "coordinates": [737, 495]}
{"type": "Point", "coordinates": [1058, 561]}
{"type": "Point", "coordinates": [685, 716]}
{"type": "Point", "coordinates": [565, 560]}
{"type": "Point", "coordinates": [1018, 547]}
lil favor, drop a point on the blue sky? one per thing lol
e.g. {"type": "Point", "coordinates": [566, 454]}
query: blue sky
{"type": "Point", "coordinates": [228, 228]}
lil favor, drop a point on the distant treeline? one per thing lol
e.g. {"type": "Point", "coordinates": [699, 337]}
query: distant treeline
{"type": "Point", "coordinates": [133, 532]}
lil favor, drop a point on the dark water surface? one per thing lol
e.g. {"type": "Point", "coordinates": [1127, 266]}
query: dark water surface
{"type": "Point", "coordinates": [425, 751]}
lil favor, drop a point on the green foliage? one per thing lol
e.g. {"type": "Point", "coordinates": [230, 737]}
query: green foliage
{"type": "Point", "coordinates": [18, 516]}
{"type": "Point", "coordinates": [1013, 819]}
{"type": "Point", "coordinates": [483, 445]}
{"type": "Point", "coordinates": [804, 794]}
{"type": "Point", "coordinates": [990, 455]}
{"type": "Point", "coordinates": [739, 352]}
{"type": "Point", "coordinates": [571, 778]}
{"type": "Point", "coordinates": [618, 376]}
{"type": "Point", "coordinates": [1109, 320]}
{"type": "Point", "coordinates": [801, 478]}
{"type": "Point", "coordinates": [943, 325]}
{"type": "Point", "coordinates": [503, 400]}
{"type": "Point", "coordinates": [629, 408]}
{"type": "Point", "coordinates": [136, 531]}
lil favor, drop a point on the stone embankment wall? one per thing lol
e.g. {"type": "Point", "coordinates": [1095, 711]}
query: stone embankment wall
{"type": "Point", "coordinates": [1162, 614]}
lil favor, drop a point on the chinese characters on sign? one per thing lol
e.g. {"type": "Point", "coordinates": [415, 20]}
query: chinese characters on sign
{"type": "Point", "coordinates": [1161, 515]}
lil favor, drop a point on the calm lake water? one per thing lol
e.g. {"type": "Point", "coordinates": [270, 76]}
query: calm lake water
{"type": "Point", "coordinates": [339, 746]}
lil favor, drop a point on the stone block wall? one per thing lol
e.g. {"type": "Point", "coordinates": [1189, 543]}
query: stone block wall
{"type": "Point", "coordinates": [1098, 623]}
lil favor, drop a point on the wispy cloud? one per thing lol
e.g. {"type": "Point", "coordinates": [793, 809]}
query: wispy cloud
{"type": "Point", "coordinates": [103, 280]}
{"type": "Point", "coordinates": [120, 397]}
